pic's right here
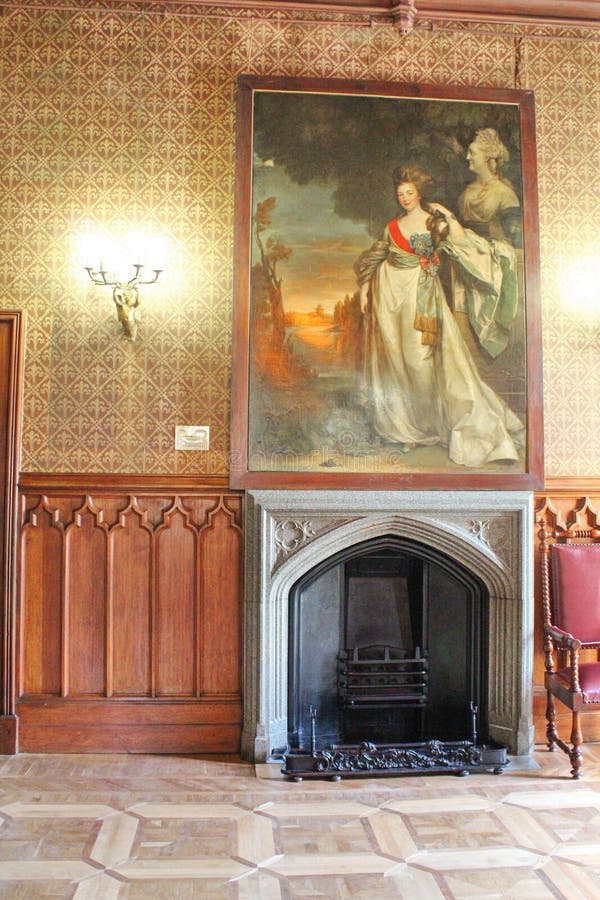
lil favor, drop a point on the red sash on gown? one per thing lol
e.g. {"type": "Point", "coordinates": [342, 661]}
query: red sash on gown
{"type": "Point", "coordinates": [397, 236]}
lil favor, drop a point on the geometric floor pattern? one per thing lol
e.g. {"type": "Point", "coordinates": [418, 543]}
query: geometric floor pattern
{"type": "Point", "coordinates": [95, 827]}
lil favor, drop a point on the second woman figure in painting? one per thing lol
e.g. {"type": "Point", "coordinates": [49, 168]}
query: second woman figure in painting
{"type": "Point", "coordinates": [424, 387]}
{"type": "Point", "coordinates": [489, 204]}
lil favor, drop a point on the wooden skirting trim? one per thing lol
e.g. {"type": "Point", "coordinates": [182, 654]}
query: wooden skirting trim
{"type": "Point", "coordinates": [196, 739]}
{"type": "Point", "coordinates": [8, 735]}
{"type": "Point", "coordinates": [114, 711]}
{"type": "Point", "coordinates": [57, 725]}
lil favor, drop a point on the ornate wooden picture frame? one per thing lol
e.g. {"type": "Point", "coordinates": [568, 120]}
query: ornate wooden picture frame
{"type": "Point", "coordinates": [386, 325]}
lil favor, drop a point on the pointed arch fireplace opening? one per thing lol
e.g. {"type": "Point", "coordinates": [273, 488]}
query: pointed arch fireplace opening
{"type": "Point", "coordinates": [387, 643]}
{"type": "Point", "coordinates": [293, 537]}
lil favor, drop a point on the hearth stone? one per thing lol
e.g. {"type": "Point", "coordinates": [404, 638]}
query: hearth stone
{"type": "Point", "coordinates": [289, 532]}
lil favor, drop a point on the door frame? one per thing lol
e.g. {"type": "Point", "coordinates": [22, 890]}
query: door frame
{"type": "Point", "coordinates": [12, 343]}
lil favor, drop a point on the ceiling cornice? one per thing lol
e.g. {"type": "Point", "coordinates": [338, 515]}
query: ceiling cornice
{"type": "Point", "coordinates": [568, 12]}
{"type": "Point", "coordinates": [588, 10]}
{"type": "Point", "coordinates": [583, 12]}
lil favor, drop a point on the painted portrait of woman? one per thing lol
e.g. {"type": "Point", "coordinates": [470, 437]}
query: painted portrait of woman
{"type": "Point", "coordinates": [422, 384]}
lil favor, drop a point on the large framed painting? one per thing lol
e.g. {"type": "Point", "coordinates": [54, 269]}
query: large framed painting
{"type": "Point", "coordinates": [386, 329]}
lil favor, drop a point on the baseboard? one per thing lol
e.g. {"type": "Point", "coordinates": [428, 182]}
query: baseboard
{"type": "Point", "coordinates": [188, 739]}
{"type": "Point", "coordinates": [60, 725]}
{"type": "Point", "coordinates": [8, 735]}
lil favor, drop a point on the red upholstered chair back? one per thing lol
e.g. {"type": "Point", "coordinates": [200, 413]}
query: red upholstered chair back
{"type": "Point", "coordinates": [575, 589]}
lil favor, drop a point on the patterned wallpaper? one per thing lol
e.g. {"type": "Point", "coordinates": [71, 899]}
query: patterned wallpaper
{"type": "Point", "coordinates": [119, 117]}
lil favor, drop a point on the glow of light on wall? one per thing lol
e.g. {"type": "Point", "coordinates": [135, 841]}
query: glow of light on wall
{"type": "Point", "coordinates": [579, 287]}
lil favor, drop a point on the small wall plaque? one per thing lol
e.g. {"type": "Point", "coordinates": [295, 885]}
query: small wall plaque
{"type": "Point", "coordinates": [192, 437]}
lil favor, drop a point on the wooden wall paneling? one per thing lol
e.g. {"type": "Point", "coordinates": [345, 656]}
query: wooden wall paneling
{"type": "Point", "coordinates": [220, 644]}
{"type": "Point", "coordinates": [130, 610]}
{"type": "Point", "coordinates": [12, 341]}
{"type": "Point", "coordinates": [176, 606]}
{"type": "Point", "coordinates": [130, 606]}
{"type": "Point", "coordinates": [41, 619]}
{"type": "Point", "coordinates": [85, 602]}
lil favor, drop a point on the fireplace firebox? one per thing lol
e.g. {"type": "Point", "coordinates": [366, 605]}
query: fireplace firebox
{"type": "Point", "coordinates": [387, 644]}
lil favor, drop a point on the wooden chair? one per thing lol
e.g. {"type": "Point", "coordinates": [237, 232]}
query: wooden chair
{"type": "Point", "coordinates": [570, 561]}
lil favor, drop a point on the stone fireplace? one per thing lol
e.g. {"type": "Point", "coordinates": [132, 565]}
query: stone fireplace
{"type": "Point", "coordinates": [291, 533]}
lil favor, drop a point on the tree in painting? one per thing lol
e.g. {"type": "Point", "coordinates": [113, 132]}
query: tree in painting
{"type": "Point", "coordinates": [273, 356]}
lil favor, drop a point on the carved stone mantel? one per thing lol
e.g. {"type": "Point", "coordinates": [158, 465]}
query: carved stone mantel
{"type": "Point", "coordinates": [290, 532]}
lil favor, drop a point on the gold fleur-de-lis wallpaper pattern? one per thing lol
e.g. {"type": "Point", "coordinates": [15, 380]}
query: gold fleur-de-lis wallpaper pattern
{"type": "Point", "coordinates": [121, 115]}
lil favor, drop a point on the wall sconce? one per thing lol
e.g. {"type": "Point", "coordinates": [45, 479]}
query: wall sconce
{"type": "Point", "coordinates": [115, 268]}
{"type": "Point", "coordinates": [125, 295]}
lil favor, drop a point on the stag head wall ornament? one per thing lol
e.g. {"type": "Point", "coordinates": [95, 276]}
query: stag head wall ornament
{"type": "Point", "coordinates": [126, 296]}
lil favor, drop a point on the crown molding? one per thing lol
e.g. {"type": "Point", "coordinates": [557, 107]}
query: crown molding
{"type": "Point", "coordinates": [395, 12]}
{"type": "Point", "coordinates": [552, 12]}
{"type": "Point", "coordinates": [583, 12]}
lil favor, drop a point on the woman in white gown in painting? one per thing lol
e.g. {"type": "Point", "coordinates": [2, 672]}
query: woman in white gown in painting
{"type": "Point", "coordinates": [424, 387]}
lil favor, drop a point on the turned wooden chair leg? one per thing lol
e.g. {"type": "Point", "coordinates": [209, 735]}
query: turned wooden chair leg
{"type": "Point", "coordinates": [576, 754]}
{"type": "Point", "coordinates": [551, 732]}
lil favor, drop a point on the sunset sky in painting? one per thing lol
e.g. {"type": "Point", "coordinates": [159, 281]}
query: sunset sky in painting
{"type": "Point", "coordinates": [325, 246]}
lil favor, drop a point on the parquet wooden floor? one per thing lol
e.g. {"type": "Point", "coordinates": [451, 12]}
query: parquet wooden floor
{"type": "Point", "coordinates": [101, 827]}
